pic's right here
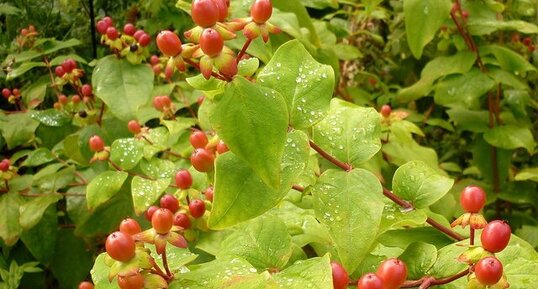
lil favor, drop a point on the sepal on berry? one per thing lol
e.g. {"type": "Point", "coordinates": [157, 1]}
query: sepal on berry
{"type": "Point", "coordinates": [476, 221]}
{"type": "Point", "coordinates": [206, 66]}
{"type": "Point", "coordinates": [101, 156]}
{"type": "Point", "coordinates": [142, 260]}
{"type": "Point", "coordinates": [154, 281]}
{"type": "Point", "coordinates": [473, 255]}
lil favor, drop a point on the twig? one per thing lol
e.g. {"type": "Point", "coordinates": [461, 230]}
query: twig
{"type": "Point", "coordinates": [345, 166]}
{"type": "Point", "coordinates": [243, 50]}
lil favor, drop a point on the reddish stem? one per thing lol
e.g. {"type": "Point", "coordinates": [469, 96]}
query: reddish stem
{"type": "Point", "coordinates": [298, 188]}
{"type": "Point", "coordinates": [243, 50]}
{"type": "Point", "coordinates": [165, 264]}
{"type": "Point", "coordinates": [345, 166]}
{"type": "Point", "coordinates": [215, 75]}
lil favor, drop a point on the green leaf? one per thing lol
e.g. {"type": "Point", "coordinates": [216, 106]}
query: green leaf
{"type": "Point", "coordinates": [126, 152]}
{"type": "Point", "coordinates": [158, 168]}
{"type": "Point", "coordinates": [264, 242]}
{"type": "Point", "coordinates": [394, 217]}
{"type": "Point", "coordinates": [23, 68]}
{"type": "Point", "coordinates": [306, 84]}
{"type": "Point", "coordinates": [236, 184]}
{"type": "Point", "coordinates": [419, 258]}
{"type": "Point", "coordinates": [123, 86]}
{"type": "Point", "coordinates": [438, 67]}
{"type": "Point", "coordinates": [43, 248]}
{"type": "Point", "coordinates": [248, 67]}
{"type": "Point", "coordinates": [72, 260]}
{"type": "Point", "coordinates": [350, 133]}
{"type": "Point", "coordinates": [419, 184]}
{"type": "Point", "coordinates": [315, 273]}
{"type": "Point", "coordinates": [469, 120]}
{"type": "Point", "coordinates": [350, 204]}
{"type": "Point", "coordinates": [297, 8]}
{"type": "Point", "coordinates": [146, 192]}
{"type": "Point", "coordinates": [463, 90]}
{"type": "Point", "coordinates": [103, 187]}
{"type": "Point", "coordinates": [511, 137]}
{"type": "Point", "coordinates": [527, 174]}
{"type": "Point", "coordinates": [52, 117]}
{"type": "Point", "coordinates": [31, 212]}
{"type": "Point", "coordinates": [176, 257]}
{"type": "Point", "coordinates": [508, 59]}
{"type": "Point", "coordinates": [252, 122]}
{"type": "Point", "coordinates": [10, 227]}
{"type": "Point", "coordinates": [17, 129]}
{"type": "Point", "coordinates": [100, 274]}
{"type": "Point", "coordinates": [38, 157]}
{"type": "Point", "coordinates": [422, 20]}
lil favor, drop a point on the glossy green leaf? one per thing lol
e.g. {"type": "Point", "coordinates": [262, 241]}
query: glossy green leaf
{"type": "Point", "coordinates": [350, 133]}
{"type": "Point", "coordinates": [296, 7]}
{"type": "Point", "coordinates": [10, 227]}
{"type": "Point", "coordinates": [264, 242]}
{"type": "Point", "coordinates": [463, 90]}
{"type": "Point", "coordinates": [240, 194]}
{"type": "Point", "coordinates": [52, 117]}
{"type": "Point", "coordinates": [313, 273]}
{"type": "Point", "coordinates": [43, 248]}
{"type": "Point", "coordinates": [350, 204]}
{"type": "Point", "coordinates": [123, 86]}
{"type": "Point", "coordinates": [252, 122]}
{"type": "Point", "coordinates": [508, 59]}
{"type": "Point", "coordinates": [38, 157]}
{"type": "Point", "coordinates": [469, 120]}
{"type": "Point", "coordinates": [72, 260]}
{"type": "Point", "coordinates": [419, 258]}
{"type": "Point", "coordinates": [248, 67]}
{"type": "Point", "coordinates": [158, 168]}
{"type": "Point", "coordinates": [306, 84]}
{"type": "Point", "coordinates": [23, 68]}
{"type": "Point", "coordinates": [176, 257]}
{"type": "Point", "coordinates": [127, 152]}
{"type": "Point", "coordinates": [511, 137]}
{"type": "Point", "coordinates": [103, 187]}
{"type": "Point", "coordinates": [146, 192]}
{"type": "Point", "coordinates": [395, 217]}
{"type": "Point", "coordinates": [100, 274]}
{"type": "Point", "coordinates": [17, 129]}
{"type": "Point", "coordinates": [527, 174]}
{"type": "Point", "coordinates": [32, 211]}
{"type": "Point", "coordinates": [419, 184]}
{"type": "Point", "coordinates": [422, 20]}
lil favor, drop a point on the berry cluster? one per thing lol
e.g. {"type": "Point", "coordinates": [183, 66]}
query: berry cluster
{"type": "Point", "coordinates": [68, 73]}
{"type": "Point", "coordinates": [526, 42]}
{"type": "Point", "coordinates": [12, 96]}
{"type": "Point", "coordinates": [131, 43]}
{"type": "Point", "coordinates": [97, 145]}
{"type": "Point", "coordinates": [27, 37]}
{"type": "Point", "coordinates": [391, 274]}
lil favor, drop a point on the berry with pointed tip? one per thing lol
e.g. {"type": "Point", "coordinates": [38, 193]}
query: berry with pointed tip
{"type": "Point", "coordinates": [68, 65]}
{"type": "Point", "coordinates": [144, 40]}
{"type": "Point", "coordinates": [472, 199]}
{"type": "Point", "coordinates": [63, 99]}
{"type": "Point", "coordinates": [108, 20]}
{"type": "Point", "coordinates": [24, 32]}
{"type": "Point", "coordinates": [162, 221]}
{"type": "Point", "coordinates": [161, 102]}
{"type": "Point", "coordinates": [86, 90]}
{"type": "Point", "coordinates": [130, 226]}
{"type": "Point", "coordinates": [222, 147]}
{"type": "Point", "coordinates": [16, 92]}
{"type": "Point", "coordinates": [182, 220]}
{"type": "Point", "coordinates": [495, 236]}
{"type": "Point", "coordinates": [112, 33]}
{"type": "Point", "coordinates": [85, 285]}
{"type": "Point", "coordinates": [208, 193]}
{"type": "Point", "coordinates": [120, 246]}
{"type": "Point", "coordinates": [204, 13]}
{"type": "Point", "coordinates": [198, 139]}
{"type": "Point", "coordinates": [6, 92]}
{"type": "Point", "coordinates": [211, 42]}
{"type": "Point", "coordinates": [169, 202]}
{"type": "Point", "coordinates": [154, 59]}
{"type": "Point", "coordinates": [222, 8]}
{"type": "Point", "coordinates": [386, 110]}
{"type": "Point", "coordinates": [261, 11]}
{"type": "Point", "coordinates": [168, 43]}
{"type": "Point", "coordinates": [131, 281]}
{"type": "Point", "coordinates": [183, 179]}
{"type": "Point", "coordinates": [75, 98]}
{"type": "Point", "coordinates": [202, 160]}
{"type": "Point", "coordinates": [101, 27]}
{"type": "Point", "coordinates": [488, 271]}
{"type": "Point", "coordinates": [393, 272]}
{"type": "Point", "coordinates": [134, 127]}
{"type": "Point", "coordinates": [340, 276]}
{"type": "Point", "coordinates": [197, 208]}
{"type": "Point", "coordinates": [138, 34]}
{"type": "Point", "coordinates": [370, 281]}
{"type": "Point", "coordinates": [129, 29]}
{"type": "Point", "coordinates": [4, 165]}
{"type": "Point", "coordinates": [149, 213]}
{"type": "Point", "coordinates": [96, 143]}
{"type": "Point", "coordinates": [59, 70]}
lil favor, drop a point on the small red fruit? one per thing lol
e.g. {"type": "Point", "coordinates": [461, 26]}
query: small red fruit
{"type": "Point", "coordinates": [85, 285]}
{"type": "Point", "coordinates": [495, 236]}
{"type": "Point", "coordinates": [112, 33]}
{"type": "Point", "coordinates": [183, 179]}
{"type": "Point", "coordinates": [370, 281]}
{"type": "Point", "coordinates": [129, 29]}
{"type": "Point", "coordinates": [75, 99]}
{"type": "Point", "coordinates": [120, 246]}
{"type": "Point", "coordinates": [16, 92]}
{"type": "Point", "coordinates": [488, 271]}
{"type": "Point", "coordinates": [162, 221]}
{"type": "Point", "coordinates": [130, 226]}
{"type": "Point", "coordinates": [154, 59]}
{"type": "Point", "coordinates": [527, 41]}
{"type": "Point", "coordinates": [24, 32]}
{"type": "Point", "coordinates": [144, 40]}
{"type": "Point", "coordinates": [197, 208]}
{"type": "Point", "coordinates": [169, 202]}
{"type": "Point", "coordinates": [204, 13]}
{"type": "Point", "coordinates": [386, 110]}
{"type": "Point", "coordinates": [223, 9]}
{"type": "Point", "coordinates": [134, 127]}
{"type": "Point", "coordinates": [63, 99]}
{"type": "Point", "coordinates": [86, 90]}
{"type": "Point", "coordinates": [149, 213]}
{"type": "Point", "coordinates": [161, 102]}
{"type": "Point", "coordinates": [393, 272]}
{"type": "Point", "coordinates": [6, 92]}
{"type": "Point", "coordinates": [472, 199]}
{"type": "Point", "coordinates": [340, 277]}
{"type": "Point", "coordinates": [208, 193]}
{"type": "Point", "coordinates": [4, 165]}
{"type": "Point", "coordinates": [131, 281]}
{"type": "Point", "coordinates": [261, 11]}
{"type": "Point", "coordinates": [68, 65]}
{"type": "Point", "coordinates": [96, 143]}
{"type": "Point", "coordinates": [138, 34]}
{"type": "Point", "coordinates": [182, 220]}
{"type": "Point", "coordinates": [202, 160]}
{"type": "Point", "coordinates": [465, 14]}
{"type": "Point", "coordinates": [211, 42]}
{"type": "Point", "coordinates": [169, 43]}
{"type": "Point", "coordinates": [198, 139]}
{"type": "Point", "coordinates": [101, 27]}
{"type": "Point", "coordinates": [59, 70]}
{"type": "Point", "coordinates": [108, 20]}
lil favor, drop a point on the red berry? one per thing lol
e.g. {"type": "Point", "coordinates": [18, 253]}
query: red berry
{"type": "Point", "coordinates": [531, 48]}
{"type": "Point", "coordinates": [202, 160]}
{"type": "Point", "coordinates": [197, 208]}
{"type": "Point", "coordinates": [198, 139]}
{"type": "Point", "coordinates": [162, 221]}
{"type": "Point", "coordinates": [370, 281]}
{"type": "Point", "coordinates": [516, 37]}
{"type": "Point", "coordinates": [6, 92]}
{"type": "Point", "coordinates": [144, 40]}
{"type": "Point", "coordinates": [386, 110]}
{"type": "Point", "coordinates": [138, 34]}
{"type": "Point", "coordinates": [63, 99]}
{"type": "Point", "coordinates": [183, 179]}
{"type": "Point", "coordinates": [472, 199]}
{"type": "Point", "coordinates": [112, 33]}
{"type": "Point", "coordinates": [169, 202]}
{"type": "Point", "coordinates": [393, 272]}
{"type": "Point", "coordinates": [75, 99]}
{"type": "Point", "coordinates": [130, 226]}
{"type": "Point", "coordinates": [157, 69]}
{"type": "Point", "coordinates": [261, 11]}
{"type": "Point", "coordinates": [340, 277]}
{"type": "Point", "coordinates": [108, 20]}
{"type": "Point", "coordinates": [59, 70]}
{"type": "Point", "coordinates": [465, 14]}
{"type": "Point", "coordinates": [204, 13]}
{"type": "Point", "coordinates": [68, 65]}
{"type": "Point", "coordinates": [488, 271]}
{"type": "Point", "coordinates": [182, 220]}
{"type": "Point", "coordinates": [31, 28]}
{"type": "Point", "coordinates": [120, 246]}
{"type": "Point", "coordinates": [96, 143]}
{"type": "Point", "coordinates": [149, 213]}
{"type": "Point", "coordinates": [495, 236]}
{"type": "Point", "coordinates": [85, 285]}
{"type": "Point", "coordinates": [208, 193]}
{"type": "Point", "coordinates": [101, 27]}
{"type": "Point", "coordinates": [134, 127]}
{"type": "Point", "coordinates": [527, 41]}
{"type": "Point", "coordinates": [16, 92]}
{"type": "Point", "coordinates": [129, 29]}
{"type": "Point", "coordinates": [161, 102]}
{"type": "Point", "coordinates": [154, 59]}
{"type": "Point", "coordinates": [169, 43]}
{"type": "Point", "coordinates": [4, 165]}
{"type": "Point", "coordinates": [211, 42]}
{"type": "Point", "coordinates": [24, 32]}
{"type": "Point", "coordinates": [132, 281]}
{"type": "Point", "coordinates": [222, 8]}
{"type": "Point", "coordinates": [86, 90]}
